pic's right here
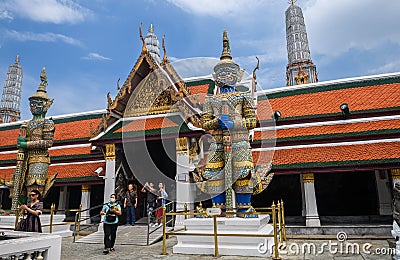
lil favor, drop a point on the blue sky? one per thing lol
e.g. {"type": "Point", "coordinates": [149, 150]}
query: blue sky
{"type": "Point", "coordinates": [86, 45]}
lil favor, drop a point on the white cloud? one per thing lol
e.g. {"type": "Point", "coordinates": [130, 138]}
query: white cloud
{"type": "Point", "coordinates": [217, 8]}
{"type": "Point", "coordinates": [94, 56]}
{"type": "Point", "coordinates": [194, 67]}
{"type": "Point", "coordinates": [388, 67]}
{"type": "Point", "coordinates": [41, 37]}
{"type": "Point", "coordinates": [335, 27]}
{"type": "Point", "coordinates": [47, 11]}
{"type": "Point", "coordinates": [5, 15]}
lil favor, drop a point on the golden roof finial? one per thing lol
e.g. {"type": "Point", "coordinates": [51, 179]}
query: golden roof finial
{"type": "Point", "coordinates": [226, 51]}
{"type": "Point", "coordinates": [256, 68]}
{"type": "Point", "coordinates": [17, 59]}
{"type": "Point", "coordinates": [165, 59]}
{"type": "Point", "coordinates": [144, 48]}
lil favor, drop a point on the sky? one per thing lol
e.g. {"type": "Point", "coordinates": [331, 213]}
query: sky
{"type": "Point", "coordinates": [87, 45]}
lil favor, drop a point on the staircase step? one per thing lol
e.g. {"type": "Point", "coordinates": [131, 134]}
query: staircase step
{"type": "Point", "coordinates": [126, 235]}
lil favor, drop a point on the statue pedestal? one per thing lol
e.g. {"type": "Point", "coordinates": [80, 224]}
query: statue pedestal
{"type": "Point", "coordinates": [227, 245]}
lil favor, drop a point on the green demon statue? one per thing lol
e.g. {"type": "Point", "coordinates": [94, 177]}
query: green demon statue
{"type": "Point", "coordinates": [36, 137]}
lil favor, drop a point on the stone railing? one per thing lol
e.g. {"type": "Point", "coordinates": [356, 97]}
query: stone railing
{"type": "Point", "coordinates": [59, 227]}
{"type": "Point", "coordinates": [29, 245]}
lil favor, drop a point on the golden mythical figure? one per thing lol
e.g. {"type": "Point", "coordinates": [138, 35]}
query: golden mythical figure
{"type": "Point", "coordinates": [36, 137]}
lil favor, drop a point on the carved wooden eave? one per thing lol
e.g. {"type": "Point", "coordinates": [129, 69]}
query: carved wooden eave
{"type": "Point", "coordinates": [149, 99]}
{"type": "Point", "coordinates": [116, 107]}
{"type": "Point", "coordinates": [192, 105]}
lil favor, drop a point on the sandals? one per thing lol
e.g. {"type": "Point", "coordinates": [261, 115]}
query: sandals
{"type": "Point", "coordinates": [112, 249]}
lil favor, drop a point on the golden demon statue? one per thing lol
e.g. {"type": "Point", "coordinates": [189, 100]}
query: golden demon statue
{"type": "Point", "coordinates": [36, 137]}
{"type": "Point", "coordinates": [229, 115]}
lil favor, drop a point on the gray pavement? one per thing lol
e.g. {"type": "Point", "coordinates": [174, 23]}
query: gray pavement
{"type": "Point", "coordinates": [369, 249]}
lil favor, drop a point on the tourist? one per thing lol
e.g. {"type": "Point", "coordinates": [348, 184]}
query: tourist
{"type": "Point", "coordinates": [150, 201]}
{"type": "Point", "coordinates": [111, 210]}
{"type": "Point", "coordinates": [130, 204]}
{"type": "Point", "coordinates": [32, 211]}
{"type": "Point", "coordinates": [162, 198]}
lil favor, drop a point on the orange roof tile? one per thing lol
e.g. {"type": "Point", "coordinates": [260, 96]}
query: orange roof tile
{"type": "Point", "coordinates": [8, 156]}
{"type": "Point", "coordinates": [147, 124]}
{"type": "Point", "coordinates": [53, 153]}
{"type": "Point", "coordinates": [329, 129]}
{"type": "Point", "coordinates": [64, 131]}
{"type": "Point", "coordinates": [199, 91]}
{"type": "Point", "coordinates": [9, 137]}
{"type": "Point", "coordinates": [75, 129]}
{"type": "Point", "coordinates": [64, 171]}
{"type": "Point", "coordinates": [360, 98]}
{"type": "Point", "coordinates": [359, 152]}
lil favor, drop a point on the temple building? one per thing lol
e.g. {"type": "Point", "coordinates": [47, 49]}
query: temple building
{"type": "Point", "coordinates": [11, 97]}
{"type": "Point", "coordinates": [336, 142]}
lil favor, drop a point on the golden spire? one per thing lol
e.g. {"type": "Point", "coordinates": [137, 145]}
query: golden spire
{"type": "Point", "coordinates": [41, 92]}
{"type": "Point", "coordinates": [17, 59]}
{"type": "Point", "coordinates": [226, 51]}
{"type": "Point", "coordinates": [165, 59]}
{"type": "Point", "coordinates": [43, 79]}
{"type": "Point", "coordinates": [144, 48]}
{"type": "Point", "coordinates": [151, 28]}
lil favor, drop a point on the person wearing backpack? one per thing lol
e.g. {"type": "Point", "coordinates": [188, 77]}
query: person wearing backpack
{"type": "Point", "coordinates": [111, 210]}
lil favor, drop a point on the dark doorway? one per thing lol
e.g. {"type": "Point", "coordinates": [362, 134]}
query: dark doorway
{"type": "Point", "coordinates": [346, 193]}
{"type": "Point", "coordinates": [5, 199]}
{"type": "Point", "coordinates": [52, 197]}
{"type": "Point", "coordinates": [96, 198]}
{"type": "Point", "coordinates": [282, 187]}
{"type": "Point", "coordinates": [151, 161]}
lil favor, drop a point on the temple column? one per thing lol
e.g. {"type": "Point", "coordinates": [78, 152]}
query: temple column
{"type": "Point", "coordinates": [384, 193]}
{"type": "Point", "coordinates": [62, 201]}
{"type": "Point", "coordinates": [184, 194]}
{"type": "Point", "coordinates": [395, 173]}
{"type": "Point", "coordinates": [85, 202]}
{"type": "Point", "coordinates": [312, 218]}
{"type": "Point", "coordinates": [109, 179]}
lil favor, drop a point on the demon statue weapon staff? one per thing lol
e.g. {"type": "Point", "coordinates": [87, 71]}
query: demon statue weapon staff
{"type": "Point", "coordinates": [229, 115]}
{"type": "Point", "coordinates": [36, 137]}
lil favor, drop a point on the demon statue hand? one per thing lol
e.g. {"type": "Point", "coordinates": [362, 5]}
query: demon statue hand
{"type": "Point", "coordinates": [230, 115]}
{"type": "Point", "coordinates": [35, 144]}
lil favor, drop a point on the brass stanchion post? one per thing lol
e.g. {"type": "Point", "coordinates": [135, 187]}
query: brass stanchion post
{"type": "Point", "coordinates": [52, 207]}
{"type": "Point", "coordinates": [276, 252]}
{"type": "Point", "coordinates": [216, 253]}
{"type": "Point", "coordinates": [79, 218]}
{"type": "Point", "coordinates": [283, 221]}
{"type": "Point", "coordinates": [164, 243]}
{"type": "Point", "coordinates": [185, 209]}
{"type": "Point", "coordinates": [280, 222]}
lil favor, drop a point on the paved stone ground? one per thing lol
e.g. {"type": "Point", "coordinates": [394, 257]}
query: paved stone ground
{"type": "Point", "coordinates": [78, 251]}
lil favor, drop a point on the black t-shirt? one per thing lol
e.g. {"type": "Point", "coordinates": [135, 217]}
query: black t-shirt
{"type": "Point", "coordinates": [150, 196]}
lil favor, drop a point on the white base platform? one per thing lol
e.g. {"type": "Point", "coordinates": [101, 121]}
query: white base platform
{"type": "Point", "coordinates": [232, 245]}
{"type": "Point", "coordinates": [8, 222]}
